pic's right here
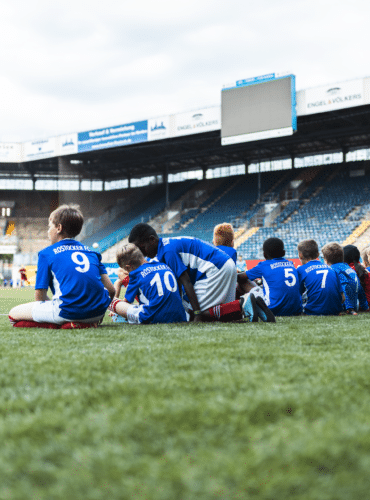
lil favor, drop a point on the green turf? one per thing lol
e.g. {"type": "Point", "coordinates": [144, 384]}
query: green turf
{"type": "Point", "coordinates": [216, 411]}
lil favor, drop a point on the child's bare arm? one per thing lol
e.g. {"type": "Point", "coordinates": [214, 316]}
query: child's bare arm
{"type": "Point", "coordinates": [108, 285]}
{"type": "Point", "coordinates": [41, 294]}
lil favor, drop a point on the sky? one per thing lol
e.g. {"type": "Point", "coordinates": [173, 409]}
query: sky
{"type": "Point", "coordinates": [69, 66]}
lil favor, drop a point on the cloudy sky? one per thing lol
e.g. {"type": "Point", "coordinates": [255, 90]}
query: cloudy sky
{"type": "Point", "coordinates": [69, 66]}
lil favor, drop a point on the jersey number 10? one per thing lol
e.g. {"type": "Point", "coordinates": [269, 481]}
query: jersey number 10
{"type": "Point", "coordinates": [166, 278]}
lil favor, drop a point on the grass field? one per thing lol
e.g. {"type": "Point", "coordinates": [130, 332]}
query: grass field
{"type": "Point", "coordinates": [186, 412]}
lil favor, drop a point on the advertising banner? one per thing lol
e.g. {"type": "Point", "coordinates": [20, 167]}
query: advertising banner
{"type": "Point", "coordinates": [196, 122]}
{"type": "Point", "coordinates": [158, 128]}
{"type": "Point", "coordinates": [67, 144]}
{"type": "Point", "coordinates": [8, 249]}
{"type": "Point", "coordinates": [36, 150]}
{"type": "Point", "coordinates": [335, 96]}
{"type": "Point", "coordinates": [112, 269]}
{"type": "Point", "coordinates": [10, 152]}
{"type": "Point", "coordinates": [112, 137]}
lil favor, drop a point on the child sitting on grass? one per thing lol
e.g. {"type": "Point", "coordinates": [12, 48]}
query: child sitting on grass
{"type": "Point", "coordinates": [155, 285]}
{"type": "Point", "coordinates": [319, 284]}
{"type": "Point", "coordinates": [351, 256]}
{"type": "Point", "coordinates": [207, 274]}
{"type": "Point", "coordinates": [280, 280]}
{"type": "Point", "coordinates": [333, 256]}
{"type": "Point", "coordinates": [78, 280]}
{"type": "Point", "coordinates": [223, 238]}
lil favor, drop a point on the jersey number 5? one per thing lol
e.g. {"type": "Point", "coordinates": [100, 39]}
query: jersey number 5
{"type": "Point", "coordinates": [166, 278]}
{"type": "Point", "coordinates": [290, 275]}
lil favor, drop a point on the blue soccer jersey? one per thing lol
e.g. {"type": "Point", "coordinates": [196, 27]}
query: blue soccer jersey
{"type": "Point", "coordinates": [351, 287]}
{"type": "Point", "coordinates": [231, 252]}
{"type": "Point", "coordinates": [73, 273]}
{"type": "Point", "coordinates": [280, 286]}
{"type": "Point", "coordinates": [195, 256]}
{"type": "Point", "coordinates": [322, 287]}
{"type": "Point", "coordinates": [157, 289]}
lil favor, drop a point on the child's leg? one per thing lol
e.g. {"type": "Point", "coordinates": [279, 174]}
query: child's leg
{"type": "Point", "coordinates": [120, 307]}
{"type": "Point", "coordinates": [22, 312]}
{"type": "Point", "coordinates": [233, 311]}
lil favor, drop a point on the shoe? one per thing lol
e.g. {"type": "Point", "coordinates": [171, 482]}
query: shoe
{"type": "Point", "coordinates": [249, 308]}
{"type": "Point", "coordinates": [264, 312]}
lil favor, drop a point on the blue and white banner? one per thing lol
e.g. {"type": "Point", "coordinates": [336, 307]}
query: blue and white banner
{"type": "Point", "coordinates": [112, 137]}
{"type": "Point", "coordinates": [112, 269]}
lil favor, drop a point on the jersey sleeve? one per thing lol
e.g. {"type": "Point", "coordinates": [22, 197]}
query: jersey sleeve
{"type": "Point", "coordinates": [102, 268]}
{"type": "Point", "coordinates": [175, 263]}
{"type": "Point", "coordinates": [43, 273]}
{"type": "Point", "coordinates": [255, 272]}
{"type": "Point", "coordinates": [364, 306]}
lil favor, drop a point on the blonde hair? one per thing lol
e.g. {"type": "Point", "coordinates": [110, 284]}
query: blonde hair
{"type": "Point", "coordinates": [131, 255]}
{"type": "Point", "coordinates": [365, 256]}
{"type": "Point", "coordinates": [223, 234]}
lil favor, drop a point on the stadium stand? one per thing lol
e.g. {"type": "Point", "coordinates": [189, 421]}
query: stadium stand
{"type": "Point", "coordinates": [143, 211]}
{"type": "Point", "coordinates": [325, 217]}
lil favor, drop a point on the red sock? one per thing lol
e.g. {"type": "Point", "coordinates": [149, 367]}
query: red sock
{"type": "Point", "coordinates": [227, 312]}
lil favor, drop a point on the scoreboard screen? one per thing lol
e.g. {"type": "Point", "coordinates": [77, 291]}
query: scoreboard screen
{"type": "Point", "coordinates": [258, 108]}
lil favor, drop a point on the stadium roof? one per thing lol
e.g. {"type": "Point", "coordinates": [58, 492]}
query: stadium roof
{"type": "Point", "coordinates": [340, 130]}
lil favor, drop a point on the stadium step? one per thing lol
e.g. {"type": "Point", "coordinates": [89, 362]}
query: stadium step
{"type": "Point", "coordinates": [359, 231]}
{"type": "Point", "coordinates": [213, 201]}
{"type": "Point", "coordinates": [245, 236]}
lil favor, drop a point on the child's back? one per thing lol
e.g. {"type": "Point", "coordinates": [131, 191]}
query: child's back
{"type": "Point", "coordinates": [319, 284]}
{"type": "Point", "coordinates": [280, 285]}
{"type": "Point", "coordinates": [351, 255]}
{"type": "Point", "coordinates": [350, 284]}
{"type": "Point", "coordinates": [158, 293]}
{"type": "Point", "coordinates": [322, 287]}
{"type": "Point", "coordinates": [280, 280]}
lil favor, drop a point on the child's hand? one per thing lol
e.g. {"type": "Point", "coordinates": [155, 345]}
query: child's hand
{"type": "Point", "coordinates": [122, 274]}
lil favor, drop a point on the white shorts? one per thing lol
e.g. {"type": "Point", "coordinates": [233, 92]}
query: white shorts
{"type": "Point", "coordinates": [133, 312]}
{"type": "Point", "coordinates": [217, 288]}
{"type": "Point", "coordinates": [48, 312]}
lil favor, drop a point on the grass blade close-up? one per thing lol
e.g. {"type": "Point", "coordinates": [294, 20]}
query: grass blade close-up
{"type": "Point", "coordinates": [185, 411]}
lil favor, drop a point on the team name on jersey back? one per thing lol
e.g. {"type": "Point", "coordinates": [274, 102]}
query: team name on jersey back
{"type": "Point", "coordinates": [148, 270]}
{"type": "Point", "coordinates": [314, 267]}
{"type": "Point", "coordinates": [281, 264]}
{"type": "Point", "coordinates": [65, 248]}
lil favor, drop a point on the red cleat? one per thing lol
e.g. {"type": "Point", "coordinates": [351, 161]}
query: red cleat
{"type": "Point", "coordinates": [74, 325]}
